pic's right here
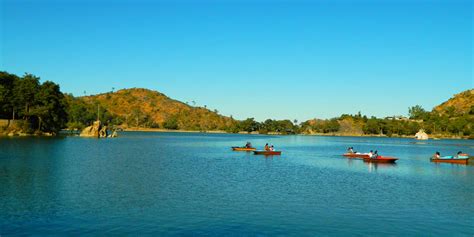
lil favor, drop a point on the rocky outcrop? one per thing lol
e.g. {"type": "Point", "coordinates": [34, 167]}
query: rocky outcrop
{"type": "Point", "coordinates": [103, 131]}
{"type": "Point", "coordinates": [97, 130]}
{"type": "Point", "coordinates": [92, 131]}
{"type": "Point", "coordinates": [421, 135]}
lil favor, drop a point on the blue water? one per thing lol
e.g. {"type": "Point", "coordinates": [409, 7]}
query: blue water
{"type": "Point", "coordinates": [193, 184]}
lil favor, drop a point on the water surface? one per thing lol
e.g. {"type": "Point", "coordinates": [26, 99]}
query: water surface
{"type": "Point", "coordinates": [183, 184]}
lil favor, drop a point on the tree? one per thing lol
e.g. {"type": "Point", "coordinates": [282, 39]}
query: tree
{"type": "Point", "coordinates": [417, 112]}
{"type": "Point", "coordinates": [136, 115]}
{"type": "Point", "coordinates": [372, 126]}
{"type": "Point", "coordinates": [79, 113]}
{"type": "Point", "coordinates": [7, 82]}
{"type": "Point", "coordinates": [49, 108]}
{"type": "Point", "coordinates": [249, 125]}
{"type": "Point", "coordinates": [171, 123]}
{"type": "Point", "coordinates": [24, 94]}
{"type": "Point", "coordinates": [451, 111]}
{"type": "Point", "coordinates": [332, 126]}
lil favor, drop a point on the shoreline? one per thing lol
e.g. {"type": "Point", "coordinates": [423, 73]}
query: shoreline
{"type": "Point", "coordinates": [170, 130]}
{"type": "Point", "coordinates": [432, 137]}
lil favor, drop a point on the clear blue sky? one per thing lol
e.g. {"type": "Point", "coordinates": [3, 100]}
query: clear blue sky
{"type": "Point", "coordinates": [262, 59]}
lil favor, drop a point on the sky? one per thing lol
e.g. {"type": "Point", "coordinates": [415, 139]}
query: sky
{"type": "Point", "coordinates": [262, 59]}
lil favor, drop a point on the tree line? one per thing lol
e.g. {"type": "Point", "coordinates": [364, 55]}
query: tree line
{"type": "Point", "coordinates": [36, 107]}
{"type": "Point", "coordinates": [444, 123]}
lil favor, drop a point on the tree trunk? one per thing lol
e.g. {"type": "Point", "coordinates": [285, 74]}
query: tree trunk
{"type": "Point", "coordinates": [26, 111]}
{"type": "Point", "coordinates": [39, 123]}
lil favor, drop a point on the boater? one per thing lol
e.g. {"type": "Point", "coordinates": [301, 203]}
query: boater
{"type": "Point", "coordinates": [375, 155]}
{"type": "Point", "coordinates": [248, 145]}
{"type": "Point", "coordinates": [350, 150]}
{"type": "Point", "coordinates": [272, 148]}
{"type": "Point", "coordinates": [436, 155]}
{"type": "Point", "coordinates": [266, 147]}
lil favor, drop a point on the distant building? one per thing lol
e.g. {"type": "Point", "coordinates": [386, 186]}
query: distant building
{"type": "Point", "coordinates": [399, 117]}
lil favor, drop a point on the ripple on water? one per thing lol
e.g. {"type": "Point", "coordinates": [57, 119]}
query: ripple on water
{"type": "Point", "coordinates": [193, 184]}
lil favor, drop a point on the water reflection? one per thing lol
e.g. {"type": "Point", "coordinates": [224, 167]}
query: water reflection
{"type": "Point", "coordinates": [372, 167]}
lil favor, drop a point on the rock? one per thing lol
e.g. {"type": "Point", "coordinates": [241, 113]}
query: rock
{"type": "Point", "coordinates": [103, 132]}
{"type": "Point", "coordinates": [421, 135]}
{"type": "Point", "coordinates": [92, 131]}
{"type": "Point", "coordinates": [97, 130]}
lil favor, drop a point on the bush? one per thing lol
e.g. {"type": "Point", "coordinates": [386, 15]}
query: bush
{"type": "Point", "coordinates": [171, 123]}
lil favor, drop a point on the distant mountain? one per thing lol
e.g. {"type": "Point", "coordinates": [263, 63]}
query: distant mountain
{"type": "Point", "coordinates": [139, 107]}
{"type": "Point", "coordinates": [462, 103]}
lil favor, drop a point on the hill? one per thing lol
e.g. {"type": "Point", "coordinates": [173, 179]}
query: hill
{"type": "Point", "coordinates": [459, 104]}
{"type": "Point", "coordinates": [139, 107]}
{"type": "Point", "coordinates": [453, 118]}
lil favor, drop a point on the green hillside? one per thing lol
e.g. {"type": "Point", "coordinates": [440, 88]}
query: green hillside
{"type": "Point", "coordinates": [138, 107]}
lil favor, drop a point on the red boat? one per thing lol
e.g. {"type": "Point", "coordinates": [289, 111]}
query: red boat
{"type": "Point", "coordinates": [463, 161]}
{"type": "Point", "coordinates": [267, 153]}
{"type": "Point", "coordinates": [356, 155]}
{"type": "Point", "coordinates": [381, 159]}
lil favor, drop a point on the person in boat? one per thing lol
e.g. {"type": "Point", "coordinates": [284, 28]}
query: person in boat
{"type": "Point", "coordinates": [375, 155]}
{"type": "Point", "coordinates": [437, 155]}
{"type": "Point", "coordinates": [350, 150]}
{"type": "Point", "coordinates": [458, 154]}
{"type": "Point", "coordinates": [370, 154]}
{"type": "Point", "coordinates": [267, 148]}
{"type": "Point", "coordinates": [272, 148]}
{"type": "Point", "coordinates": [248, 145]}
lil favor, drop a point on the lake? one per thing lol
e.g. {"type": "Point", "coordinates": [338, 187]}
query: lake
{"type": "Point", "coordinates": [193, 184]}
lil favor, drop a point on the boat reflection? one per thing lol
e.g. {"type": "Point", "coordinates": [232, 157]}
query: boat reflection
{"type": "Point", "coordinates": [374, 166]}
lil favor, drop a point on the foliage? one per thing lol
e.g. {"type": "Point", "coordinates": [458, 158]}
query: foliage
{"type": "Point", "coordinates": [322, 126]}
{"type": "Point", "coordinates": [49, 108]}
{"type": "Point", "coordinates": [171, 123]}
{"type": "Point", "coordinates": [417, 112]}
{"type": "Point", "coordinates": [40, 106]}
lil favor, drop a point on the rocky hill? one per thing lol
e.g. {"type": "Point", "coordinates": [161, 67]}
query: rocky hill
{"type": "Point", "coordinates": [138, 107]}
{"type": "Point", "coordinates": [462, 103]}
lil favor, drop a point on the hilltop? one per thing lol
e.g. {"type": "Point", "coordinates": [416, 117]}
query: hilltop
{"type": "Point", "coordinates": [462, 103]}
{"type": "Point", "coordinates": [138, 107]}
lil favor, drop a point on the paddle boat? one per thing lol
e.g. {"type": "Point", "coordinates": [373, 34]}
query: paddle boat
{"type": "Point", "coordinates": [381, 159]}
{"type": "Point", "coordinates": [461, 159]}
{"type": "Point", "coordinates": [236, 148]}
{"type": "Point", "coordinates": [356, 155]}
{"type": "Point", "coordinates": [267, 153]}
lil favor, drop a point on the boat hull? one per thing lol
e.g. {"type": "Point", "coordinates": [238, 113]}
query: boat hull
{"type": "Point", "coordinates": [267, 153]}
{"type": "Point", "coordinates": [243, 149]}
{"type": "Point", "coordinates": [463, 161]}
{"type": "Point", "coordinates": [381, 159]}
{"type": "Point", "coordinates": [356, 155]}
